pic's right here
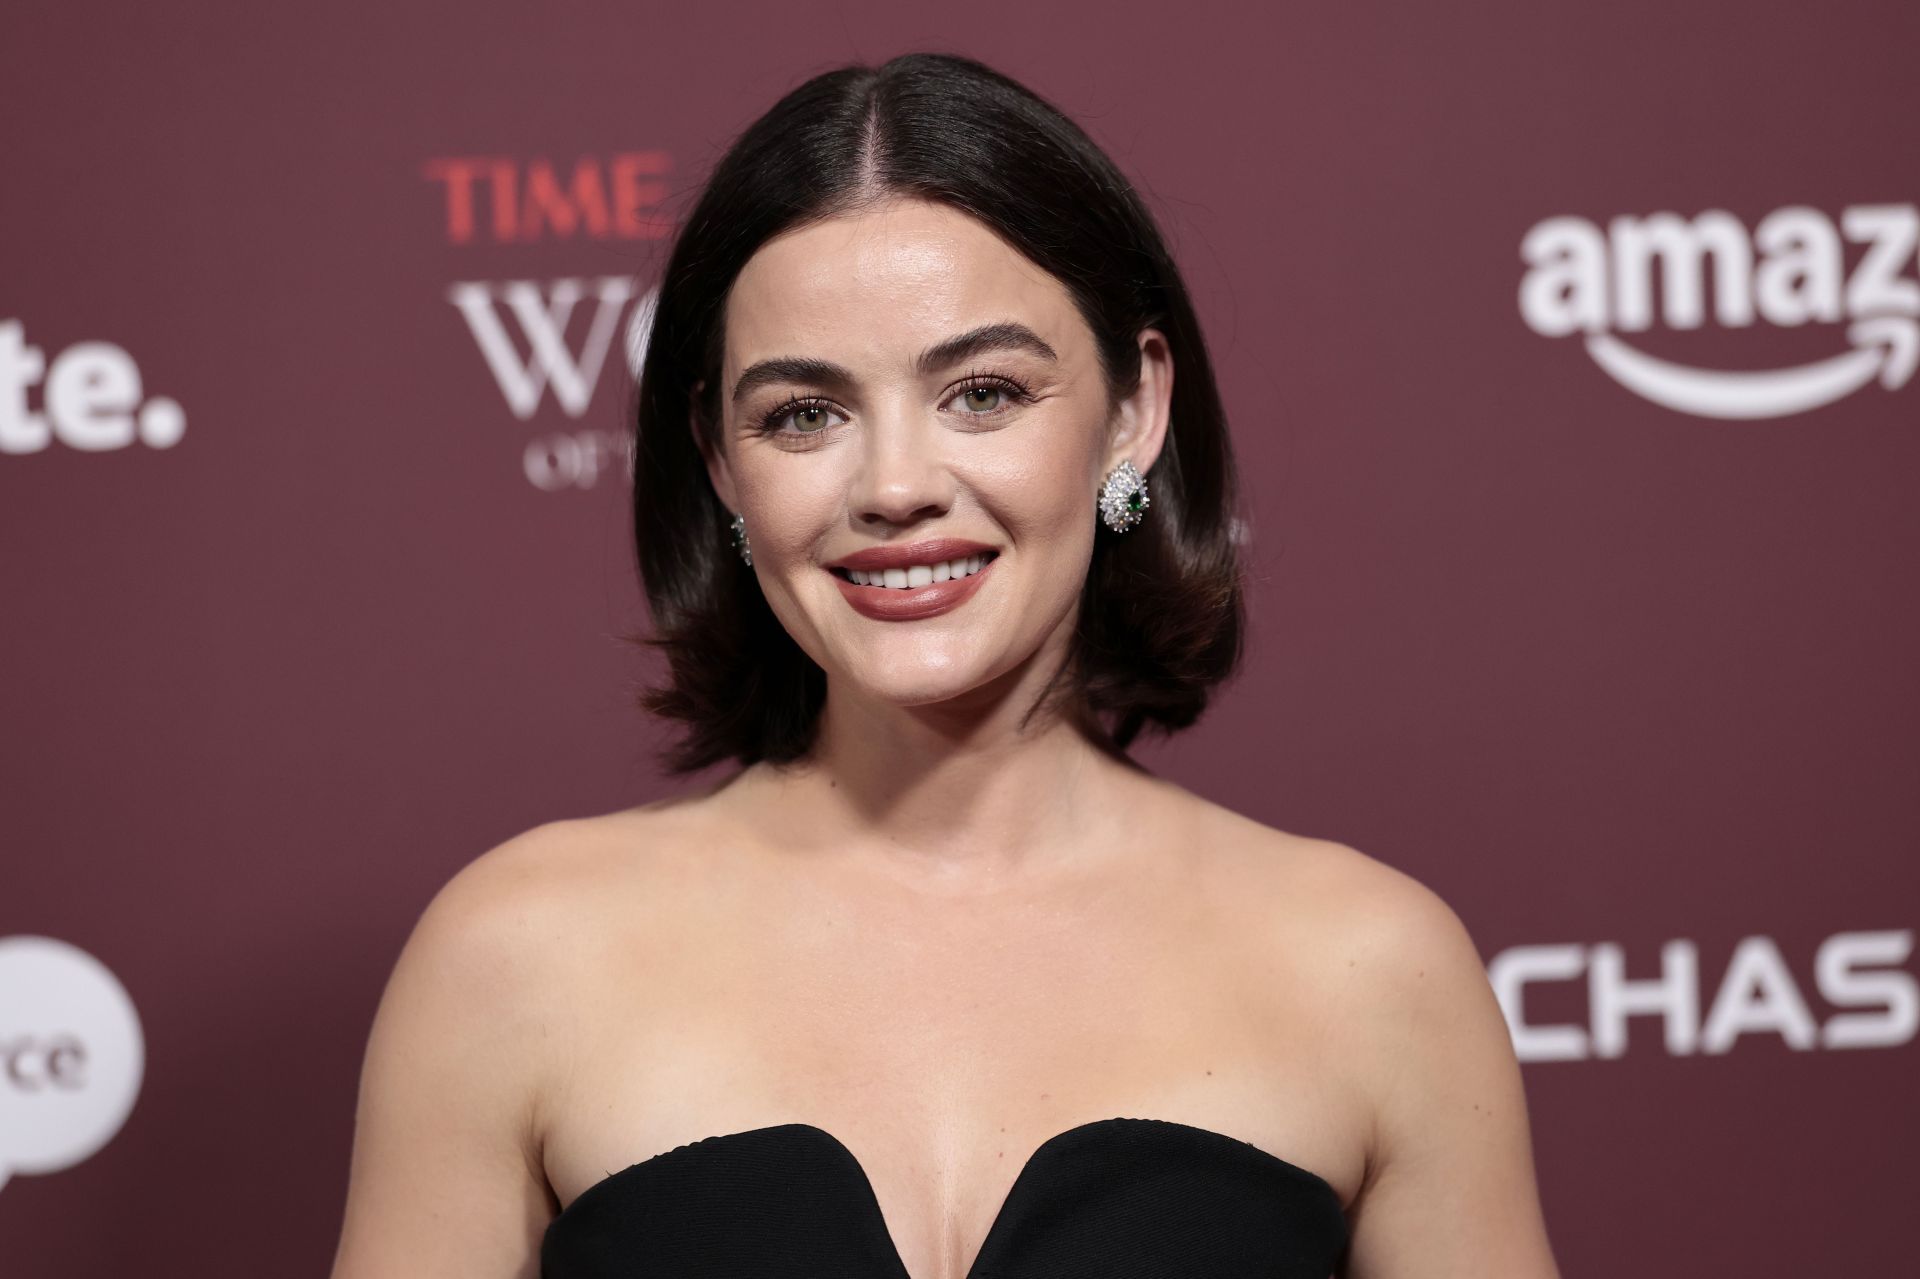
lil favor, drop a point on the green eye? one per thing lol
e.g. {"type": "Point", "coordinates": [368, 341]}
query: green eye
{"type": "Point", "coordinates": [1009, 392]}
{"type": "Point", "coordinates": [796, 409]}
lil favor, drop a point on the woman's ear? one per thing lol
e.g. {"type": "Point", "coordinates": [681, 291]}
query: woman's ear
{"type": "Point", "coordinates": [1142, 416]}
{"type": "Point", "coordinates": [715, 456]}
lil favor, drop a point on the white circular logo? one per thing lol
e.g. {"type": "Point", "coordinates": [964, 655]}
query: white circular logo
{"type": "Point", "coordinates": [71, 1055]}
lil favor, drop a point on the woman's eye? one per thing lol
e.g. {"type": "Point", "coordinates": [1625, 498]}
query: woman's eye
{"type": "Point", "coordinates": [984, 399]}
{"type": "Point", "coordinates": [975, 394]}
{"type": "Point", "coordinates": [811, 417]}
{"type": "Point", "coordinates": [807, 417]}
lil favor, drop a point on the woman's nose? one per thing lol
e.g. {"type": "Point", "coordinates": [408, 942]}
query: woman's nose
{"type": "Point", "coordinates": [902, 477]}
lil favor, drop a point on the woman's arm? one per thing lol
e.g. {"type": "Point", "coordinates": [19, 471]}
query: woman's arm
{"type": "Point", "coordinates": [446, 1181]}
{"type": "Point", "coordinates": [1450, 1189]}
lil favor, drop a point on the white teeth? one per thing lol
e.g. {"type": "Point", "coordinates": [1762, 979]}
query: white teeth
{"type": "Point", "coordinates": [906, 579]}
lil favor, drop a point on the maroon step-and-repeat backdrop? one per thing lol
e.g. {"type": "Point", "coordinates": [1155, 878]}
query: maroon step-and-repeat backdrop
{"type": "Point", "coordinates": [1570, 352]}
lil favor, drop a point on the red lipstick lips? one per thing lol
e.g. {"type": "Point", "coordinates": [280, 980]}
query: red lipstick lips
{"type": "Point", "coordinates": [928, 552]}
{"type": "Point", "coordinates": [894, 604]}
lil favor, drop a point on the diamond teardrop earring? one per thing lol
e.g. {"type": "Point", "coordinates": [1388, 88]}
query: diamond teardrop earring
{"type": "Point", "coordinates": [740, 543]}
{"type": "Point", "coordinates": [1123, 498]}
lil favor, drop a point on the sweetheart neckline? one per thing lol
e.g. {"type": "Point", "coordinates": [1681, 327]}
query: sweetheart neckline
{"type": "Point", "coordinates": [1313, 1179]}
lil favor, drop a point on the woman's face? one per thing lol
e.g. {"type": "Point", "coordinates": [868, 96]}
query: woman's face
{"type": "Point", "coordinates": [909, 401]}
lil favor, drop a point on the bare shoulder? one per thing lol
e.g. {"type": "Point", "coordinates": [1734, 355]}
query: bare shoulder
{"type": "Point", "coordinates": [510, 937]}
{"type": "Point", "coordinates": [1450, 1184]}
{"type": "Point", "coordinates": [1391, 931]}
{"type": "Point", "coordinates": [1385, 948]}
{"type": "Point", "coordinates": [537, 889]}
{"type": "Point", "coordinates": [491, 931]}
{"type": "Point", "coordinates": [446, 1174]}
{"type": "Point", "coordinates": [444, 1124]}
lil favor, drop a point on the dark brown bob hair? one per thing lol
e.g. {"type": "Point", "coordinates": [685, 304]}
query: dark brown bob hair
{"type": "Point", "coordinates": [1160, 617]}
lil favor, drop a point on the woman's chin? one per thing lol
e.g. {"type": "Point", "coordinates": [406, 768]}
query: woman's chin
{"type": "Point", "coordinates": [920, 678]}
{"type": "Point", "coordinates": [920, 688]}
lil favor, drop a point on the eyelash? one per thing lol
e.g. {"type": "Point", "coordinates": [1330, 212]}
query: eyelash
{"type": "Point", "coordinates": [768, 422]}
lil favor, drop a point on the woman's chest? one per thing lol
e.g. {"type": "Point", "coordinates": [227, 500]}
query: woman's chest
{"type": "Point", "coordinates": [946, 1059]}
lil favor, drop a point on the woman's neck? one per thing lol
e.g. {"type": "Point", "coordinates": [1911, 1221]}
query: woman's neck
{"type": "Point", "coordinates": [956, 796]}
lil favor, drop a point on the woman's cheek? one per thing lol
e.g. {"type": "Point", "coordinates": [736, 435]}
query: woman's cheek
{"type": "Point", "coordinates": [789, 500]}
{"type": "Point", "coordinates": [1037, 490]}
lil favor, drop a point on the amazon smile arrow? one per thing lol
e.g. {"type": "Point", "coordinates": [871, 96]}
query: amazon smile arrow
{"type": "Point", "coordinates": [1887, 346]}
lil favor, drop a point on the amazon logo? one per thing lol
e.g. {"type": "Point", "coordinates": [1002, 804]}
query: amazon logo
{"type": "Point", "coordinates": [1790, 270]}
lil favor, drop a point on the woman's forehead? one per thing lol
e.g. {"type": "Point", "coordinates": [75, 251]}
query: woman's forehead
{"type": "Point", "coordinates": [886, 283]}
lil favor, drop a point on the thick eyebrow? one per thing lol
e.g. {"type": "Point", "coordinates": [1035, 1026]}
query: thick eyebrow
{"type": "Point", "coordinates": [1006, 335]}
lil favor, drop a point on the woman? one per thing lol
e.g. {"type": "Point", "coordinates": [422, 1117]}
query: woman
{"type": "Point", "coordinates": [938, 984]}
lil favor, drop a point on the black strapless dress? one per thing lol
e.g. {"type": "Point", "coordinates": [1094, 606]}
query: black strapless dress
{"type": "Point", "coordinates": [1111, 1199]}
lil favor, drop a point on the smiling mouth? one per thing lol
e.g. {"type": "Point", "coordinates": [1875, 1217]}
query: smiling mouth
{"type": "Point", "coordinates": [912, 577]}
